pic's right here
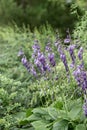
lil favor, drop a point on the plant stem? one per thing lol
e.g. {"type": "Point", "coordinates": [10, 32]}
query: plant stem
{"type": "Point", "coordinates": [64, 101]}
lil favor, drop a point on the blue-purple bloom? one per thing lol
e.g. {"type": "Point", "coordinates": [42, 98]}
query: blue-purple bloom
{"type": "Point", "coordinates": [26, 63]}
{"type": "Point", "coordinates": [42, 59]}
{"type": "Point", "coordinates": [33, 71]}
{"type": "Point", "coordinates": [24, 60]}
{"type": "Point", "coordinates": [36, 46]}
{"type": "Point", "coordinates": [51, 58]}
{"type": "Point", "coordinates": [85, 108]}
{"type": "Point", "coordinates": [48, 48]}
{"type": "Point", "coordinates": [77, 75]}
{"type": "Point", "coordinates": [46, 67]}
{"type": "Point", "coordinates": [20, 53]}
{"type": "Point", "coordinates": [80, 54]}
{"type": "Point", "coordinates": [67, 40]}
{"type": "Point", "coordinates": [57, 42]}
{"type": "Point", "coordinates": [71, 52]}
{"type": "Point", "coordinates": [63, 58]}
{"type": "Point", "coordinates": [28, 66]}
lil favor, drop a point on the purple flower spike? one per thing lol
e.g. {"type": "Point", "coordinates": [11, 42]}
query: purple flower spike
{"type": "Point", "coordinates": [24, 60]}
{"type": "Point", "coordinates": [85, 108]}
{"type": "Point", "coordinates": [66, 40]}
{"type": "Point", "coordinates": [42, 59]}
{"type": "Point", "coordinates": [36, 47]}
{"type": "Point", "coordinates": [46, 67]}
{"type": "Point", "coordinates": [51, 59]}
{"type": "Point", "coordinates": [48, 48]}
{"type": "Point", "coordinates": [57, 42]}
{"type": "Point", "coordinates": [26, 63]}
{"type": "Point", "coordinates": [33, 71]}
{"type": "Point", "coordinates": [80, 54]}
{"type": "Point", "coordinates": [37, 63]}
{"type": "Point", "coordinates": [63, 58]}
{"type": "Point", "coordinates": [71, 52]}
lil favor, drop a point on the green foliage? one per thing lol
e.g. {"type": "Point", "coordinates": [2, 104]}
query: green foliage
{"type": "Point", "coordinates": [52, 118]}
{"type": "Point", "coordinates": [30, 104]}
{"type": "Point", "coordinates": [9, 11]}
{"type": "Point", "coordinates": [18, 89]}
{"type": "Point", "coordinates": [57, 13]}
{"type": "Point", "coordinates": [80, 33]}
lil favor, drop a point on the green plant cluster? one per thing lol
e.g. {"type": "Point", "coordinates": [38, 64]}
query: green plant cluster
{"type": "Point", "coordinates": [30, 104]}
{"type": "Point", "coordinates": [17, 92]}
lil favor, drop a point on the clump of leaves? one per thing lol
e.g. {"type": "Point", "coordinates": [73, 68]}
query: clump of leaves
{"type": "Point", "coordinates": [55, 117]}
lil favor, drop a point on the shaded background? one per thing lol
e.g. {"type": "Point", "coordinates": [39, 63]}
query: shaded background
{"type": "Point", "coordinates": [58, 13]}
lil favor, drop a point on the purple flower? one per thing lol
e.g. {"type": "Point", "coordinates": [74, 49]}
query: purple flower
{"type": "Point", "coordinates": [20, 53]}
{"type": "Point", "coordinates": [46, 67]}
{"type": "Point", "coordinates": [66, 40]}
{"type": "Point", "coordinates": [63, 58]}
{"type": "Point", "coordinates": [24, 60]}
{"type": "Point", "coordinates": [36, 46]}
{"type": "Point", "coordinates": [42, 59]}
{"type": "Point", "coordinates": [80, 53]}
{"type": "Point", "coordinates": [81, 78]}
{"type": "Point", "coordinates": [71, 52]}
{"type": "Point", "coordinates": [33, 71]}
{"type": "Point", "coordinates": [37, 62]}
{"type": "Point", "coordinates": [48, 48]}
{"type": "Point", "coordinates": [26, 63]}
{"type": "Point", "coordinates": [51, 58]}
{"type": "Point", "coordinates": [57, 42]}
{"type": "Point", "coordinates": [78, 77]}
{"type": "Point", "coordinates": [85, 108]}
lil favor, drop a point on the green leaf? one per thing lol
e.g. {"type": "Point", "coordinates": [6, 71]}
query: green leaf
{"type": "Point", "coordinates": [75, 112]}
{"type": "Point", "coordinates": [28, 112]}
{"type": "Point", "coordinates": [23, 122]}
{"type": "Point", "coordinates": [58, 104]}
{"type": "Point", "coordinates": [31, 128]}
{"type": "Point", "coordinates": [53, 113]}
{"type": "Point", "coordinates": [41, 111]}
{"type": "Point", "coordinates": [61, 125]}
{"type": "Point", "coordinates": [19, 115]}
{"type": "Point", "coordinates": [40, 125]}
{"type": "Point", "coordinates": [34, 117]}
{"type": "Point", "coordinates": [80, 127]}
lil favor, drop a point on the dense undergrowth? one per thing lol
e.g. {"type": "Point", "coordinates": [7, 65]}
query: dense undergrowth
{"type": "Point", "coordinates": [48, 102]}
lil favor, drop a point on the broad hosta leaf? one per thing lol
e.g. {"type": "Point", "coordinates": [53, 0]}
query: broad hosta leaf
{"type": "Point", "coordinates": [40, 111]}
{"type": "Point", "coordinates": [34, 117]}
{"type": "Point", "coordinates": [80, 127]}
{"type": "Point", "coordinates": [40, 125]}
{"type": "Point", "coordinates": [61, 125]}
{"type": "Point", "coordinates": [53, 113]}
{"type": "Point", "coordinates": [20, 115]}
{"type": "Point", "coordinates": [74, 113]}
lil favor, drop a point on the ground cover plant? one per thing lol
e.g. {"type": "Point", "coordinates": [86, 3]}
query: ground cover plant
{"type": "Point", "coordinates": [42, 81]}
